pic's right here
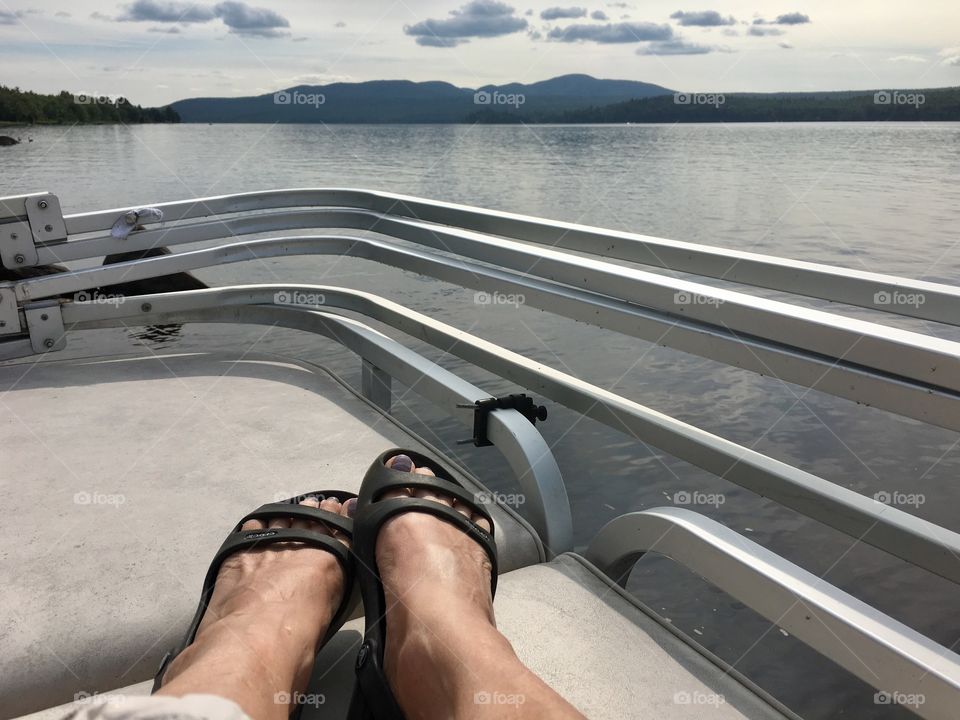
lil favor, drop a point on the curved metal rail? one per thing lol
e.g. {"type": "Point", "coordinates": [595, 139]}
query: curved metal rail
{"type": "Point", "coordinates": [901, 534]}
{"type": "Point", "coordinates": [853, 287]}
{"type": "Point", "coordinates": [836, 376]}
{"type": "Point", "coordinates": [876, 648]}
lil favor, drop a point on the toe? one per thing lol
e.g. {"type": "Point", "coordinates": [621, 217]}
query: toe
{"type": "Point", "coordinates": [253, 525]}
{"type": "Point", "coordinates": [482, 522]}
{"type": "Point", "coordinates": [401, 463]}
{"type": "Point", "coordinates": [298, 524]}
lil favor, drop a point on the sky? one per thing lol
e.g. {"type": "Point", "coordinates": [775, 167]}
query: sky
{"type": "Point", "coordinates": [153, 52]}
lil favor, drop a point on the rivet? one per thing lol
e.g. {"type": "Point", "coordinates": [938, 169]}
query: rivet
{"type": "Point", "coordinates": [13, 236]}
{"type": "Point", "coordinates": [42, 204]}
{"type": "Point", "coordinates": [146, 307]}
{"type": "Point", "coordinates": [48, 343]}
{"type": "Point", "coordinates": [18, 258]}
{"type": "Point", "coordinates": [44, 317]}
{"type": "Point", "coordinates": [48, 228]}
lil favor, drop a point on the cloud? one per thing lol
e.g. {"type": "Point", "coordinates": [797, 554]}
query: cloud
{"type": "Point", "coordinates": [8, 18]}
{"type": "Point", "coordinates": [785, 45]}
{"type": "Point", "coordinates": [677, 46]}
{"type": "Point", "coordinates": [793, 18]}
{"type": "Point", "coordinates": [907, 59]}
{"type": "Point", "coordinates": [762, 31]}
{"type": "Point", "coordinates": [599, 15]}
{"type": "Point", "coordinates": [476, 19]}
{"type": "Point", "coordinates": [63, 13]}
{"type": "Point", "coordinates": [559, 13]}
{"type": "Point", "coordinates": [951, 56]}
{"type": "Point", "coordinates": [240, 18]}
{"type": "Point", "coordinates": [626, 32]}
{"type": "Point", "coordinates": [97, 15]}
{"type": "Point", "coordinates": [170, 30]}
{"type": "Point", "coordinates": [245, 20]}
{"type": "Point", "coordinates": [166, 11]}
{"type": "Point", "coordinates": [731, 32]}
{"type": "Point", "coordinates": [340, 24]}
{"type": "Point", "coordinates": [703, 18]}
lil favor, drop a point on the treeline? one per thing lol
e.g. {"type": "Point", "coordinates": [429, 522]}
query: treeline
{"type": "Point", "coordinates": [20, 106]}
{"type": "Point", "coordinates": [895, 105]}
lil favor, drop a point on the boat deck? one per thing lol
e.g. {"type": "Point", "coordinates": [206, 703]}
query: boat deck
{"type": "Point", "coordinates": [128, 473]}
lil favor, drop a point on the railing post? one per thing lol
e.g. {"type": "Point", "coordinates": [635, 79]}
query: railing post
{"type": "Point", "coordinates": [375, 385]}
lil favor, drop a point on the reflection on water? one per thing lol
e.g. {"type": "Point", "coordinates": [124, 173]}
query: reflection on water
{"type": "Point", "coordinates": [882, 197]}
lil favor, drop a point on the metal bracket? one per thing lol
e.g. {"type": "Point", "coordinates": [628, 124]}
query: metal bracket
{"type": "Point", "coordinates": [45, 323]}
{"type": "Point", "coordinates": [9, 313]}
{"type": "Point", "coordinates": [18, 239]}
{"type": "Point", "coordinates": [482, 409]}
{"type": "Point", "coordinates": [45, 218]}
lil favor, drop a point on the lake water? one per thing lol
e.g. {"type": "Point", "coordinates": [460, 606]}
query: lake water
{"type": "Point", "coordinates": [879, 197]}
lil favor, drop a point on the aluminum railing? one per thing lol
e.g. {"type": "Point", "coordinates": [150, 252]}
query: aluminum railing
{"type": "Point", "coordinates": [907, 373]}
{"type": "Point", "coordinates": [912, 670]}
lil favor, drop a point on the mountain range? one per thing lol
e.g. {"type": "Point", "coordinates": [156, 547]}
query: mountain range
{"type": "Point", "coordinates": [403, 101]}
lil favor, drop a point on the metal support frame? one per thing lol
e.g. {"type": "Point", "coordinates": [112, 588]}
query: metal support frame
{"type": "Point", "coordinates": [375, 385]}
{"type": "Point", "coordinates": [915, 540]}
{"type": "Point", "coordinates": [25, 222]}
{"type": "Point", "coordinates": [876, 648]}
{"type": "Point", "coordinates": [844, 285]}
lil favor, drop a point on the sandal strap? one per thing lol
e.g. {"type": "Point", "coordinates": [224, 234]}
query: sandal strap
{"type": "Point", "coordinates": [240, 540]}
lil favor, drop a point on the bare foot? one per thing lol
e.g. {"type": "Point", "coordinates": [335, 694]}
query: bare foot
{"type": "Point", "coordinates": [270, 608]}
{"type": "Point", "coordinates": [444, 656]}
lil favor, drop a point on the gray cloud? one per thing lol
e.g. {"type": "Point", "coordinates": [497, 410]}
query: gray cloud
{"type": "Point", "coordinates": [340, 24]}
{"type": "Point", "coordinates": [626, 32]}
{"type": "Point", "coordinates": [170, 30]}
{"type": "Point", "coordinates": [785, 45]}
{"type": "Point", "coordinates": [559, 13]}
{"type": "Point", "coordinates": [762, 30]}
{"type": "Point", "coordinates": [794, 18]}
{"type": "Point", "coordinates": [479, 18]}
{"type": "Point", "coordinates": [63, 13]}
{"type": "Point", "coordinates": [166, 11]}
{"type": "Point", "coordinates": [240, 18]}
{"type": "Point", "coordinates": [677, 46]}
{"type": "Point", "coordinates": [8, 18]}
{"type": "Point", "coordinates": [599, 15]}
{"type": "Point", "coordinates": [245, 20]}
{"type": "Point", "coordinates": [702, 18]}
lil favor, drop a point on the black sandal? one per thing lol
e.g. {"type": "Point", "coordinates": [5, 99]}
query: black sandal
{"type": "Point", "coordinates": [372, 696]}
{"type": "Point", "coordinates": [240, 540]}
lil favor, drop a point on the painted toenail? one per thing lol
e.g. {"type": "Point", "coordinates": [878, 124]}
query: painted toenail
{"type": "Point", "coordinates": [351, 507]}
{"type": "Point", "coordinates": [402, 463]}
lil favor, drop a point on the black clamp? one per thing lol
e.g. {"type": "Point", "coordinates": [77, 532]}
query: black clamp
{"type": "Point", "coordinates": [482, 409]}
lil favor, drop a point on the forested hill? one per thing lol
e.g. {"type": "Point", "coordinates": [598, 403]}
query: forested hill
{"type": "Point", "coordinates": [19, 106]}
{"type": "Point", "coordinates": [930, 105]}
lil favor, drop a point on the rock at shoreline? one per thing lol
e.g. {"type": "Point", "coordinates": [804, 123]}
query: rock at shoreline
{"type": "Point", "coordinates": [6, 140]}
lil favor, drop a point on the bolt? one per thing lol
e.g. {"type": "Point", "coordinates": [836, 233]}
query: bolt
{"type": "Point", "coordinates": [42, 204]}
{"type": "Point", "coordinates": [44, 317]}
{"type": "Point", "coordinates": [19, 259]}
{"type": "Point", "coordinates": [48, 343]}
{"type": "Point", "coordinates": [48, 228]}
{"type": "Point", "coordinates": [13, 236]}
{"type": "Point", "coordinates": [3, 323]}
{"type": "Point", "coordinates": [146, 307]}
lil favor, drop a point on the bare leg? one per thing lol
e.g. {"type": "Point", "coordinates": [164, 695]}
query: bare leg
{"type": "Point", "coordinates": [440, 625]}
{"type": "Point", "coordinates": [269, 610]}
